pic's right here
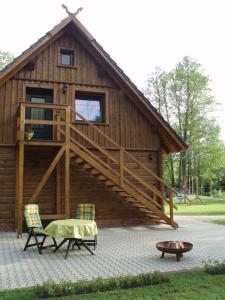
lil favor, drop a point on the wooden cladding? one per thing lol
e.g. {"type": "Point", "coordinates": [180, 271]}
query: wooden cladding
{"type": "Point", "coordinates": [124, 122]}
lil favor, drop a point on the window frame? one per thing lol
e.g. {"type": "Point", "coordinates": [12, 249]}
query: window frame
{"type": "Point", "coordinates": [69, 50]}
{"type": "Point", "coordinates": [105, 110]}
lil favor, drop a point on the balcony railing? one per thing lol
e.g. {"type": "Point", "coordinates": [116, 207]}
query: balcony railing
{"type": "Point", "coordinates": [31, 118]}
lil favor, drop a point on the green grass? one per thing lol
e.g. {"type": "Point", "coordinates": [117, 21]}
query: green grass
{"type": "Point", "coordinates": [211, 207]}
{"type": "Point", "coordinates": [220, 222]}
{"type": "Point", "coordinates": [188, 285]}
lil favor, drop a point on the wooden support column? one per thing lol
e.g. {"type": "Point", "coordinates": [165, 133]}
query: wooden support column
{"type": "Point", "coordinates": [58, 189]}
{"type": "Point", "coordinates": [58, 171]}
{"type": "Point", "coordinates": [121, 166]}
{"type": "Point", "coordinates": [171, 206]}
{"type": "Point", "coordinates": [20, 174]}
{"type": "Point", "coordinates": [67, 164]}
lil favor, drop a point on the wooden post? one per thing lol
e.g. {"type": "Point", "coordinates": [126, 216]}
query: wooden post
{"type": "Point", "coordinates": [20, 174]}
{"type": "Point", "coordinates": [171, 206]}
{"type": "Point", "coordinates": [58, 170]}
{"type": "Point", "coordinates": [58, 189]}
{"type": "Point", "coordinates": [121, 166]}
{"type": "Point", "coordinates": [67, 164]}
{"type": "Point", "coordinates": [58, 126]}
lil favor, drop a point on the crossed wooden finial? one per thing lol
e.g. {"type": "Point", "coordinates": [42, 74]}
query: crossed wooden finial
{"type": "Point", "coordinates": [72, 14]}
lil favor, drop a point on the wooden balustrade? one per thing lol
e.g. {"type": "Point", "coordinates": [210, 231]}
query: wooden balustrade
{"type": "Point", "coordinates": [123, 168]}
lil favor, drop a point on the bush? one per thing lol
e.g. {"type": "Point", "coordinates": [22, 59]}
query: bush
{"type": "Point", "coordinates": [214, 267]}
{"type": "Point", "coordinates": [50, 289]}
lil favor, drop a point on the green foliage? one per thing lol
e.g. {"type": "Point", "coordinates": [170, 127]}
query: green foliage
{"type": "Point", "coordinates": [220, 222]}
{"type": "Point", "coordinates": [185, 100]}
{"type": "Point", "coordinates": [5, 58]}
{"type": "Point", "coordinates": [214, 267]}
{"type": "Point", "coordinates": [51, 289]}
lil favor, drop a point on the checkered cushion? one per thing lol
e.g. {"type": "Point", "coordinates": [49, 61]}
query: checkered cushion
{"type": "Point", "coordinates": [32, 217]}
{"type": "Point", "coordinates": [85, 211]}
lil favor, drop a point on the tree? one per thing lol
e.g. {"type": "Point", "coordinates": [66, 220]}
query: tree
{"type": "Point", "coordinates": [185, 100]}
{"type": "Point", "coordinates": [5, 58]}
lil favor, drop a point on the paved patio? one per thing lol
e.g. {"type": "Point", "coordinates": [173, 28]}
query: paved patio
{"type": "Point", "coordinates": [120, 252]}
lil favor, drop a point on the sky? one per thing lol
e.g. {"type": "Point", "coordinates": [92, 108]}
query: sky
{"type": "Point", "coordinates": [138, 35]}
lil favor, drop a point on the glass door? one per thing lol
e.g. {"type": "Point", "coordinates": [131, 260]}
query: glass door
{"type": "Point", "coordinates": [36, 95]}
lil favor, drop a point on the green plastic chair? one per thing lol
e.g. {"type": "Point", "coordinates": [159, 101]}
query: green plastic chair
{"type": "Point", "coordinates": [33, 221]}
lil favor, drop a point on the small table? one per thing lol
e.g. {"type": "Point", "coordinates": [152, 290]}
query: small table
{"type": "Point", "coordinates": [174, 247]}
{"type": "Point", "coordinates": [72, 230]}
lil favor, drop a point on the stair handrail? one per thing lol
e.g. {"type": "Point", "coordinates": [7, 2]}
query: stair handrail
{"type": "Point", "coordinates": [109, 168]}
{"type": "Point", "coordinates": [124, 168]}
{"type": "Point", "coordinates": [125, 151]}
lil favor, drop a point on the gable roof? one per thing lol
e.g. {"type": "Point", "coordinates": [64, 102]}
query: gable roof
{"type": "Point", "coordinates": [171, 141]}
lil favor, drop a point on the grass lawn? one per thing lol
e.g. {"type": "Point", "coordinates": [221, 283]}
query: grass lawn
{"type": "Point", "coordinates": [211, 207]}
{"type": "Point", "coordinates": [220, 222]}
{"type": "Point", "coordinates": [188, 285]}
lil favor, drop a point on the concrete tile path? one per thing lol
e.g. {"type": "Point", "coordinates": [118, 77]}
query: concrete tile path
{"type": "Point", "coordinates": [120, 252]}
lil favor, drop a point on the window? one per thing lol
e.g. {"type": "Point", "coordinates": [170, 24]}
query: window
{"type": "Point", "coordinates": [90, 106]}
{"type": "Point", "coordinates": [66, 57]}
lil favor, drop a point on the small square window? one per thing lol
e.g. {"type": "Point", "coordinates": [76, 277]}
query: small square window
{"type": "Point", "coordinates": [90, 106]}
{"type": "Point", "coordinates": [66, 57]}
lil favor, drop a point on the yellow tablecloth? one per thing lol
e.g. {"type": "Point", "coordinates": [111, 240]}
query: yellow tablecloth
{"type": "Point", "coordinates": [71, 228]}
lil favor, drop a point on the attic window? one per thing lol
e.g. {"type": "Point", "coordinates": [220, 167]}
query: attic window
{"type": "Point", "coordinates": [66, 58]}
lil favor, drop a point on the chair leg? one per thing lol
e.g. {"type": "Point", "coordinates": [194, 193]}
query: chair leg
{"type": "Point", "coordinates": [38, 246]}
{"type": "Point", "coordinates": [54, 241]}
{"type": "Point", "coordinates": [42, 243]}
{"type": "Point", "coordinates": [76, 243]}
{"type": "Point", "coordinates": [68, 248]}
{"type": "Point", "coordinates": [84, 244]}
{"type": "Point", "coordinates": [28, 239]}
{"type": "Point", "coordinates": [95, 241]}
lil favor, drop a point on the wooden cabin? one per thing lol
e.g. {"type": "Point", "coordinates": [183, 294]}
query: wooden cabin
{"type": "Point", "coordinates": [96, 138]}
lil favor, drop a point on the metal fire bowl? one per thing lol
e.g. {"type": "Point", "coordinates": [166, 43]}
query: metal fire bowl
{"type": "Point", "coordinates": [170, 247]}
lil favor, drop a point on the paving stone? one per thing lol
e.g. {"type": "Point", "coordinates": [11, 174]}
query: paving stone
{"type": "Point", "coordinates": [120, 252]}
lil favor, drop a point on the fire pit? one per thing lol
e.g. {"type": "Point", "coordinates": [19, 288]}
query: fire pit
{"type": "Point", "coordinates": [174, 247]}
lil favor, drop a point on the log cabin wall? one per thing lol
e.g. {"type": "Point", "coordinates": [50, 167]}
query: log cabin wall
{"type": "Point", "coordinates": [126, 125]}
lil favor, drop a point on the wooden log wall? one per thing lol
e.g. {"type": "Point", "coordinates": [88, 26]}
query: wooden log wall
{"type": "Point", "coordinates": [110, 209]}
{"type": "Point", "coordinates": [127, 126]}
{"type": "Point", "coordinates": [7, 188]}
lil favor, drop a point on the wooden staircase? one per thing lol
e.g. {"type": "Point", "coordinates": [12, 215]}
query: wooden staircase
{"type": "Point", "coordinates": [113, 173]}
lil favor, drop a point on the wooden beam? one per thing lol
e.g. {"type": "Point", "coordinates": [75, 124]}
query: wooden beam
{"type": "Point", "coordinates": [67, 164]}
{"type": "Point", "coordinates": [44, 105]}
{"type": "Point", "coordinates": [58, 188]}
{"type": "Point", "coordinates": [44, 143]}
{"type": "Point", "coordinates": [20, 187]}
{"type": "Point", "coordinates": [44, 122]}
{"type": "Point", "coordinates": [20, 173]}
{"type": "Point", "coordinates": [47, 174]}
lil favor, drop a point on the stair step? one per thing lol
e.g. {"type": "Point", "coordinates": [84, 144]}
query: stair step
{"type": "Point", "coordinates": [101, 178]}
{"type": "Point", "coordinates": [94, 172]}
{"type": "Point", "coordinates": [123, 194]}
{"type": "Point", "coordinates": [117, 189]}
{"type": "Point", "coordinates": [86, 167]}
{"type": "Point", "coordinates": [79, 160]}
{"type": "Point", "coordinates": [132, 200]}
{"type": "Point", "coordinates": [109, 183]}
